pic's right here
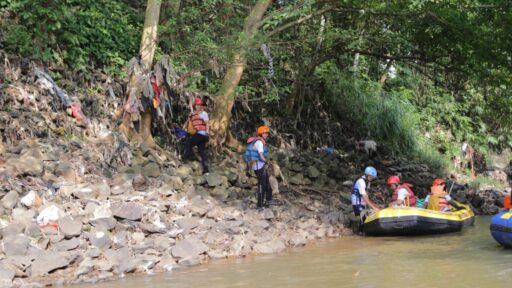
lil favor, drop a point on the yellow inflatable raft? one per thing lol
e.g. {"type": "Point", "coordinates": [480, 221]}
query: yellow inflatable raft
{"type": "Point", "coordinates": [416, 221]}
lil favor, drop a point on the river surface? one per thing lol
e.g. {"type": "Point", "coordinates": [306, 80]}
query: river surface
{"type": "Point", "coordinates": [470, 258]}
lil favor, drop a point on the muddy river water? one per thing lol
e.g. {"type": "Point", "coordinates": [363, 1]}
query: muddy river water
{"type": "Point", "coordinates": [467, 259]}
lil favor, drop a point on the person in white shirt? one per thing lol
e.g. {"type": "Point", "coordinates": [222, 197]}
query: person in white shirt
{"type": "Point", "coordinates": [360, 194]}
{"type": "Point", "coordinates": [257, 159]}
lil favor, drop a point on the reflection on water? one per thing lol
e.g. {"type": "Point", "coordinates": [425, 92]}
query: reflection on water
{"type": "Point", "coordinates": [467, 259]}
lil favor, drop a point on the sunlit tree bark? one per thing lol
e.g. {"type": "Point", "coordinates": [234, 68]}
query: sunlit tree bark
{"type": "Point", "coordinates": [221, 115]}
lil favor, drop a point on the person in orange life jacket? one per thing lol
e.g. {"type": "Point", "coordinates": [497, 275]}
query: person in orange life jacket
{"type": "Point", "coordinates": [258, 154]}
{"type": "Point", "coordinates": [438, 199]}
{"type": "Point", "coordinates": [402, 194]}
{"type": "Point", "coordinates": [360, 191]}
{"type": "Point", "coordinates": [199, 119]}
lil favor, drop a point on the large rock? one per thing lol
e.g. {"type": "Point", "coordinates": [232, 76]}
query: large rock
{"type": "Point", "coordinates": [220, 192]}
{"type": "Point", "coordinates": [312, 172]}
{"type": "Point", "coordinates": [188, 248]}
{"type": "Point", "coordinates": [131, 211]}
{"type": "Point", "coordinates": [297, 179]}
{"type": "Point", "coordinates": [10, 199]}
{"type": "Point", "coordinates": [297, 239]}
{"type": "Point", "coordinates": [49, 261]}
{"type": "Point", "coordinates": [187, 224]}
{"type": "Point", "coordinates": [121, 260]}
{"type": "Point", "coordinates": [100, 238]}
{"type": "Point", "coordinates": [6, 277]}
{"type": "Point", "coordinates": [90, 191]}
{"type": "Point", "coordinates": [66, 245]}
{"type": "Point", "coordinates": [198, 206]}
{"type": "Point", "coordinates": [190, 261]}
{"type": "Point", "coordinates": [296, 167]}
{"type": "Point", "coordinates": [26, 165]}
{"type": "Point", "coordinates": [273, 246]}
{"type": "Point", "coordinates": [184, 171]}
{"type": "Point", "coordinates": [124, 188]}
{"type": "Point", "coordinates": [84, 267]}
{"type": "Point", "coordinates": [107, 223]}
{"type": "Point", "coordinates": [12, 229]}
{"type": "Point", "coordinates": [70, 227]}
{"type": "Point", "coordinates": [174, 182]}
{"type": "Point", "coordinates": [214, 179]}
{"type": "Point", "coordinates": [140, 183]}
{"type": "Point", "coordinates": [16, 245]}
{"type": "Point", "coordinates": [151, 170]}
{"type": "Point", "coordinates": [65, 170]}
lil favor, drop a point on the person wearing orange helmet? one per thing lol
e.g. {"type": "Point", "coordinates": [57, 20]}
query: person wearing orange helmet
{"type": "Point", "coordinates": [199, 121]}
{"type": "Point", "coordinates": [438, 199]}
{"type": "Point", "coordinates": [256, 157]}
{"type": "Point", "coordinates": [402, 193]}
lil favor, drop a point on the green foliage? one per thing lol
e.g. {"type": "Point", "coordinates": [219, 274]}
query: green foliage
{"type": "Point", "coordinates": [451, 60]}
{"type": "Point", "coordinates": [72, 32]}
{"type": "Point", "coordinates": [389, 119]}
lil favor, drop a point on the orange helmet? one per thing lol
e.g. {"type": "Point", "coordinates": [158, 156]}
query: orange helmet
{"type": "Point", "coordinates": [198, 101]}
{"type": "Point", "coordinates": [438, 182]}
{"type": "Point", "coordinates": [393, 180]}
{"type": "Point", "coordinates": [262, 129]}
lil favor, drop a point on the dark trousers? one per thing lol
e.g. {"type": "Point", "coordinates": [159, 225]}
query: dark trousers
{"type": "Point", "coordinates": [356, 222]}
{"type": "Point", "coordinates": [264, 192]}
{"type": "Point", "coordinates": [358, 209]}
{"type": "Point", "coordinates": [199, 141]}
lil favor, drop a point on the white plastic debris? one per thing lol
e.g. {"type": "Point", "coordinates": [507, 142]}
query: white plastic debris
{"type": "Point", "coordinates": [30, 199]}
{"type": "Point", "coordinates": [49, 214]}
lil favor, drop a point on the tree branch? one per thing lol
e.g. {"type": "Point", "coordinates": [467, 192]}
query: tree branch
{"type": "Point", "coordinates": [298, 21]}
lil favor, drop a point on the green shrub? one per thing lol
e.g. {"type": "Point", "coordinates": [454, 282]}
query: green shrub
{"type": "Point", "coordinates": [76, 33]}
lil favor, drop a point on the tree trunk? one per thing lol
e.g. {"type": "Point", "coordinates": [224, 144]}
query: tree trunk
{"type": "Point", "coordinates": [221, 115]}
{"type": "Point", "coordinates": [147, 51]}
{"type": "Point", "coordinates": [149, 34]}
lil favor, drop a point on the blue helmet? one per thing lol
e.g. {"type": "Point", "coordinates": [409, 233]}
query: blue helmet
{"type": "Point", "coordinates": [370, 171]}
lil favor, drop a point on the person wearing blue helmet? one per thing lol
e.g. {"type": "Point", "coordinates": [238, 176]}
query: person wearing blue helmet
{"type": "Point", "coordinates": [360, 198]}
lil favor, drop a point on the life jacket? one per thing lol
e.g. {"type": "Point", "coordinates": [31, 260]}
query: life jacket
{"type": "Point", "coordinates": [357, 198]}
{"type": "Point", "coordinates": [410, 200]}
{"type": "Point", "coordinates": [197, 122]}
{"type": "Point", "coordinates": [251, 155]}
{"type": "Point", "coordinates": [438, 202]}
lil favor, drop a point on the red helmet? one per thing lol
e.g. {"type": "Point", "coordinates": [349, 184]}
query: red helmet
{"type": "Point", "coordinates": [438, 182]}
{"type": "Point", "coordinates": [198, 101]}
{"type": "Point", "coordinates": [393, 180]}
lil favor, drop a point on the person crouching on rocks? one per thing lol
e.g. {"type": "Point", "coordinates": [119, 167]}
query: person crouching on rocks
{"type": "Point", "coordinates": [256, 157]}
{"type": "Point", "coordinates": [360, 191]}
{"type": "Point", "coordinates": [199, 120]}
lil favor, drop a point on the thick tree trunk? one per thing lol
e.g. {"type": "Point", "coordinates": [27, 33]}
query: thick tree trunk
{"type": "Point", "coordinates": [221, 115]}
{"type": "Point", "coordinates": [147, 51]}
{"type": "Point", "coordinates": [149, 34]}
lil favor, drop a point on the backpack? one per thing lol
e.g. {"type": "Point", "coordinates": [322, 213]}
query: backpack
{"type": "Point", "coordinates": [248, 154]}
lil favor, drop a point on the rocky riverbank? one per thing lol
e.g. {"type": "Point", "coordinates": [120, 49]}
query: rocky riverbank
{"type": "Point", "coordinates": [79, 204]}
